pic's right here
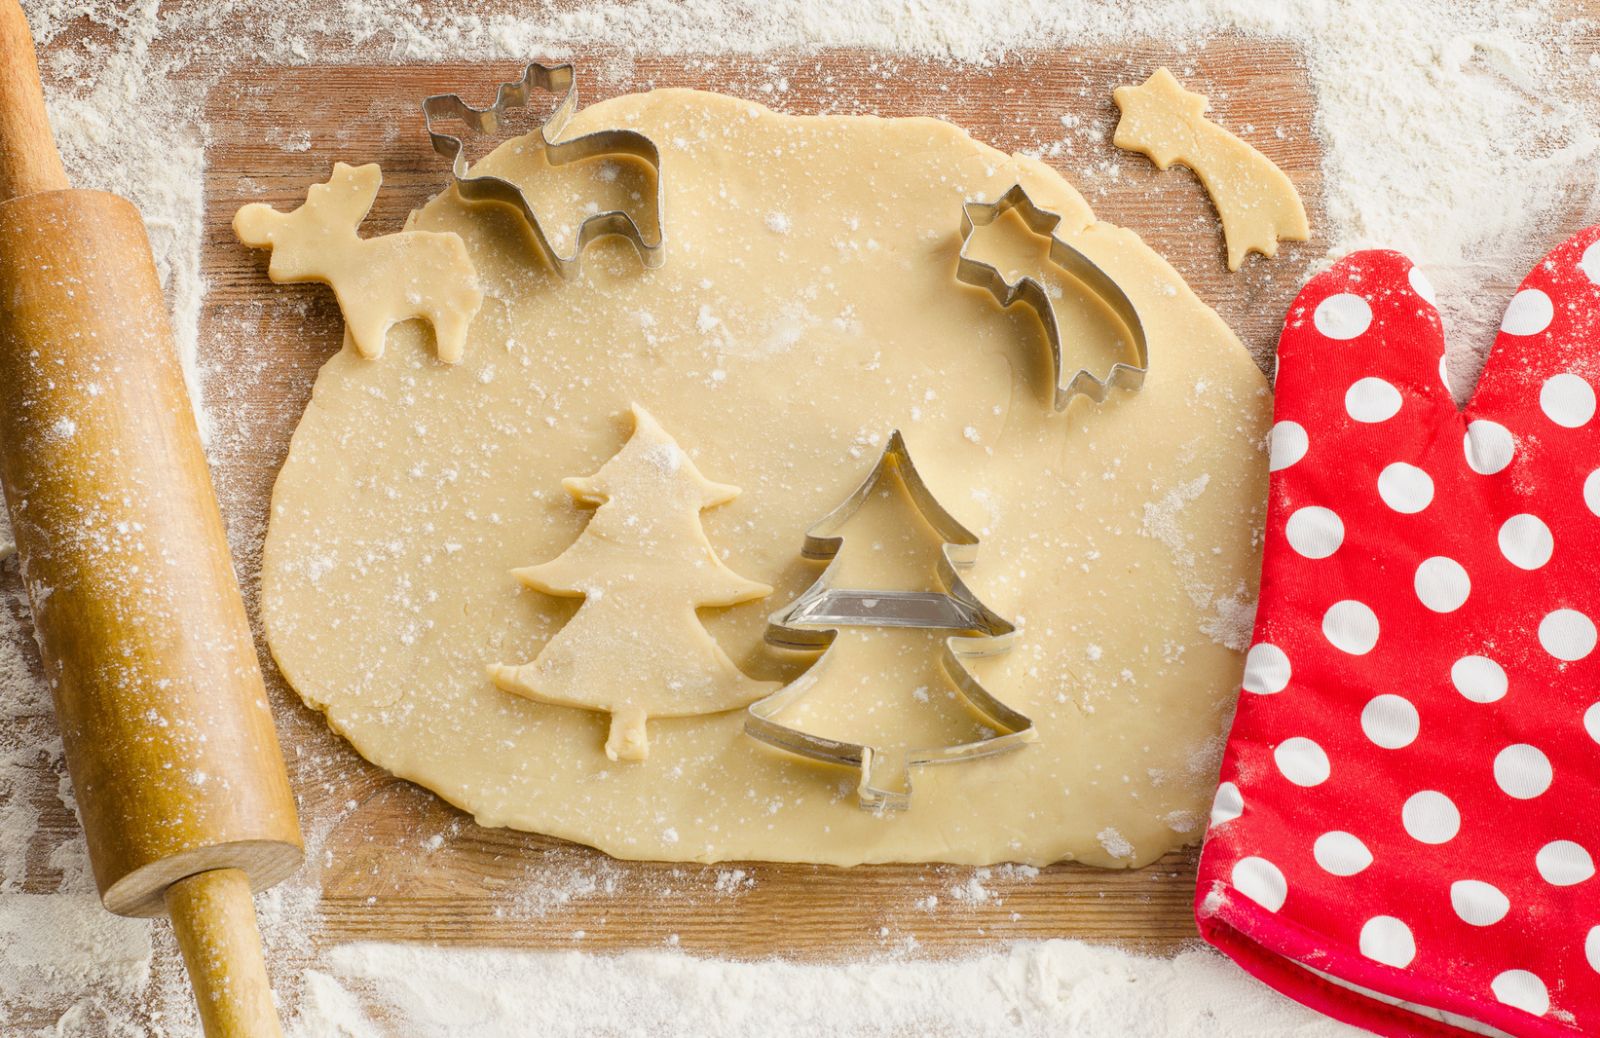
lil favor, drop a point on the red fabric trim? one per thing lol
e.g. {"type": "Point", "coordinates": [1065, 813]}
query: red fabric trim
{"type": "Point", "coordinates": [1272, 949]}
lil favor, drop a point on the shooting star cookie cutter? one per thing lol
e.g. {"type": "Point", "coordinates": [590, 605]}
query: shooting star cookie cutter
{"type": "Point", "coordinates": [1032, 293]}
{"type": "Point", "coordinates": [559, 80]}
{"type": "Point", "coordinates": [812, 621]}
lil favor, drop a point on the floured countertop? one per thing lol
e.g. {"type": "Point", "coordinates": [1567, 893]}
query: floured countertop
{"type": "Point", "coordinates": [1392, 119]}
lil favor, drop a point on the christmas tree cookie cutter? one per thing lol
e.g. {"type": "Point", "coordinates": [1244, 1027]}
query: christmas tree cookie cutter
{"type": "Point", "coordinates": [1031, 292]}
{"type": "Point", "coordinates": [559, 80]}
{"type": "Point", "coordinates": [812, 621]}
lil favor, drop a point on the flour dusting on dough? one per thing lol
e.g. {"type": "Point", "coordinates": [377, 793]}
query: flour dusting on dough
{"type": "Point", "coordinates": [797, 430]}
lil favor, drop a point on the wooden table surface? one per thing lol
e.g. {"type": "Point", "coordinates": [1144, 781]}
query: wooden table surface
{"type": "Point", "coordinates": [389, 860]}
{"type": "Point", "coordinates": [262, 344]}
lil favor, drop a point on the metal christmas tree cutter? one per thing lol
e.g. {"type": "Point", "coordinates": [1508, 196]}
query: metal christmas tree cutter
{"type": "Point", "coordinates": [812, 621]}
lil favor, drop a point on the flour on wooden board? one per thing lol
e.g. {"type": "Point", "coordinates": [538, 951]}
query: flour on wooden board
{"type": "Point", "coordinates": [1019, 991]}
{"type": "Point", "coordinates": [1427, 110]}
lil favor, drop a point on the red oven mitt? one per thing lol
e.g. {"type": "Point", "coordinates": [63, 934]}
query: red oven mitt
{"type": "Point", "coordinates": [1406, 832]}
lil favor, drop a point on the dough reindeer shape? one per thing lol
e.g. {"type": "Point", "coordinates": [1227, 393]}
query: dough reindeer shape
{"type": "Point", "coordinates": [643, 554]}
{"type": "Point", "coordinates": [1255, 200]}
{"type": "Point", "coordinates": [379, 282]}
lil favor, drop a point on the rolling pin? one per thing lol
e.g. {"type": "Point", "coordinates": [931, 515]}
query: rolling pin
{"type": "Point", "coordinates": [169, 741]}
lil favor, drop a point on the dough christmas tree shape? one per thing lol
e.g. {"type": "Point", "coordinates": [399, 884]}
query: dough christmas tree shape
{"type": "Point", "coordinates": [636, 649]}
{"type": "Point", "coordinates": [834, 612]}
{"type": "Point", "coordinates": [1408, 799]}
{"type": "Point", "coordinates": [379, 281]}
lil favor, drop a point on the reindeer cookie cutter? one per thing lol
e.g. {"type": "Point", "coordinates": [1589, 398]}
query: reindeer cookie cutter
{"type": "Point", "coordinates": [1033, 294]}
{"type": "Point", "coordinates": [558, 80]}
{"type": "Point", "coordinates": [812, 621]}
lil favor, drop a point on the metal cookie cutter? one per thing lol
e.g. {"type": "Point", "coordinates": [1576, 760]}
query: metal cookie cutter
{"type": "Point", "coordinates": [811, 622]}
{"type": "Point", "coordinates": [1032, 293]}
{"type": "Point", "coordinates": [553, 79]}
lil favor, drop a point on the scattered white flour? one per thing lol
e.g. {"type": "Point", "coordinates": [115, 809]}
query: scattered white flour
{"type": "Point", "coordinates": [1053, 988]}
{"type": "Point", "coordinates": [1115, 843]}
{"type": "Point", "coordinates": [1427, 110]}
{"type": "Point", "coordinates": [1232, 622]}
{"type": "Point", "coordinates": [1161, 517]}
{"type": "Point", "coordinates": [975, 890]}
{"type": "Point", "coordinates": [1451, 130]}
{"type": "Point", "coordinates": [67, 945]}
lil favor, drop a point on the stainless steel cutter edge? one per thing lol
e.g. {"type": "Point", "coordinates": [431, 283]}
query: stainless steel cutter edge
{"type": "Point", "coordinates": [822, 609]}
{"type": "Point", "coordinates": [560, 80]}
{"type": "Point", "coordinates": [1030, 292]}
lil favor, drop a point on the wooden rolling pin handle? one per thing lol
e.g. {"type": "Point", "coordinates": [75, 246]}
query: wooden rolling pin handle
{"type": "Point", "coordinates": [214, 919]}
{"type": "Point", "coordinates": [29, 162]}
{"type": "Point", "coordinates": [169, 741]}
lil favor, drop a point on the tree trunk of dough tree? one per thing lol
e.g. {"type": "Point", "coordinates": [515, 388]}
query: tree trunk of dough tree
{"type": "Point", "coordinates": [636, 648]}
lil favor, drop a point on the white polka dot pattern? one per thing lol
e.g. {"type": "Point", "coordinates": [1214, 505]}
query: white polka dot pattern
{"type": "Point", "coordinates": [1387, 940]}
{"type": "Point", "coordinates": [1372, 400]}
{"type": "Point", "coordinates": [1421, 778]}
{"type": "Point", "coordinates": [1405, 488]}
{"type": "Point", "coordinates": [1567, 400]}
{"type": "Point", "coordinates": [1390, 721]}
{"type": "Point", "coordinates": [1344, 316]}
{"type": "Point", "coordinates": [1421, 286]}
{"type": "Point", "coordinates": [1567, 634]}
{"type": "Point", "coordinates": [1488, 446]}
{"type": "Point", "coordinates": [1302, 761]}
{"type": "Point", "coordinates": [1529, 313]}
{"type": "Point", "coordinates": [1479, 678]}
{"type": "Point", "coordinates": [1341, 853]}
{"type": "Point", "coordinates": [1590, 263]}
{"type": "Point", "coordinates": [1351, 626]}
{"type": "Point", "coordinates": [1442, 584]}
{"type": "Point", "coordinates": [1478, 903]}
{"type": "Point", "coordinates": [1563, 863]}
{"type": "Point", "coordinates": [1228, 805]}
{"type": "Point", "coordinates": [1262, 882]}
{"type": "Point", "coordinates": [1526, 542]}
{"type": "Point", "coordinates": [1522, 990]}
{"type": "Point", "coordinates": [1431, 817]}
{"type": "Point", "coordinates": [1287, 444]}
{"type": "Point", "coordinates": [1266, 669]}
{"type": "Point", "coordinates": [1523, 771]}
{"type": "Point", "coordinates": [1315, 532]}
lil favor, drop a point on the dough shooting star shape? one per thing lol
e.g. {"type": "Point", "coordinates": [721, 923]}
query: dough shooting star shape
{"type": "Point", "coordinates": [1032, 293]}
{"type": "Point", "coordinates": [1255, 200]}
{"type": "Point", "coordinates": [559, 80]}
{"type": "Point", "coordinates": [813, 621]}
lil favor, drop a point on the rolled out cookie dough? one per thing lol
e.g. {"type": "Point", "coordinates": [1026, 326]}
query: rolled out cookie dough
{"type": "Point", "coordinates": [808, 306]}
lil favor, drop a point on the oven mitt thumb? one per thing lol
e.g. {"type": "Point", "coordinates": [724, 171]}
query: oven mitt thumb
{"type": "Point", "coordinates": [1406, 830]}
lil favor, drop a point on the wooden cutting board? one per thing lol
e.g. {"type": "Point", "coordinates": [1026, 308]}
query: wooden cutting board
{"type": "Point", "coordinates": [394, 862]}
